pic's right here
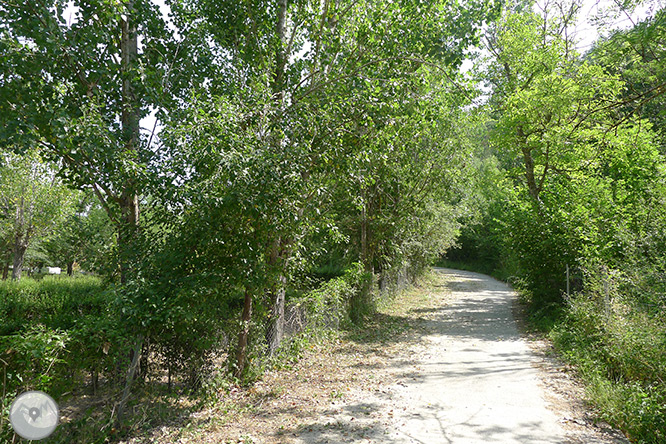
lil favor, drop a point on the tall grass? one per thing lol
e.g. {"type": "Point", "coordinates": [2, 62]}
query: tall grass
{"type": "Point", "coordinates": [53, 301]}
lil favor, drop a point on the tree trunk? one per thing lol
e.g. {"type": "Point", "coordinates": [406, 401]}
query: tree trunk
{"type": "Point", "coordinates": [20, 248]}
{"type": "Point", "coordinates": [142, 374]}
{"type": "Point", "coordinates": [21, 239]}
{"type": "Point", "coordinates": [532, 186]}
{"type": "Point", "coordinates": [129, 200]}
{"type": "Point", "coordinates": [70, 268]}
{"type": "Point", "coordinates": [131, 373]}
{"type": "Point", "coordinates": [129, 51]}
{"type": "Point", "coordinates": [127, 235]}
{"type": "Point", "coordinates": [365, 253]}
{"type": "Point", "coordinates": [241, 351]}
{"type": "Point", "coordinates": [529, 174]}
{"type": "Point", "coordinates": [277, 292]}
{"type": "Point", "coordinates": [275, 332]}
{"type": "Point", "coordinates": [5, 271]}
{"type": "Point", "coordinates": [280, 53]}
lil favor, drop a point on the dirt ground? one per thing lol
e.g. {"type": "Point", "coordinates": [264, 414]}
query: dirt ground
{"type": "Point", "coordinates": [355, 388]}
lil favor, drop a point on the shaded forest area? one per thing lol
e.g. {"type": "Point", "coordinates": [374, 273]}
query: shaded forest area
{"type": "Point", "coordinates": [208, 176]}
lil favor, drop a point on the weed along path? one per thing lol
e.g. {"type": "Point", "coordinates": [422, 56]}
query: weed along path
{"type": "Point", "coordinates": [470, 378]}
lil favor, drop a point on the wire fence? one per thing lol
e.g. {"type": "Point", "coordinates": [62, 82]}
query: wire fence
{"type": "Point", "coordinates": [618, 290]}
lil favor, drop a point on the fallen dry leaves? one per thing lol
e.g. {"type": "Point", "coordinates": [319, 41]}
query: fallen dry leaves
{"type": "Point", "coordinates": [337, 390]}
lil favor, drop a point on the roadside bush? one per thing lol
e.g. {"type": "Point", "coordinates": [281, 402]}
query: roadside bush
{"type": "Point", "coordinates": [332, 305]}
{"type": "Point", "coordinates": [329, 305]}
{"type": "Point", "coordinates": [188, 345]}
{"type": "Point", "coordinates": [98, 345]}
{"type": "Point", "coordinates": [33, 358]}
{"type": "Point", "coordinates": [618, 343]}
{"type": "Point", "coordinates": [56, 331]}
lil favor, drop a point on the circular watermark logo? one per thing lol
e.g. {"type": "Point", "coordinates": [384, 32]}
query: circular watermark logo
{"type": "Point", "coordinates": [34, 415]}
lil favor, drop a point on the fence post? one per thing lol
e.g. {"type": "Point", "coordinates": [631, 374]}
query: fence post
{"type": "Point", "coordinates": [606, 277]}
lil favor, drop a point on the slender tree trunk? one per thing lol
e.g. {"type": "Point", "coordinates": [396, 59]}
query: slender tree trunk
{"type": "Point", "coordinates": [277, 253]}
{"type": "Point", "coordinates": [129, 51]}
{"type": "Point", "coordinates": [70, 268]}
{"type": "Point", "coordinates": [21, 238]}
{"type": "Point", "coordinates": [142, 375]}
{"type": "Point", "coordinates": [127, 235]}
{"type": "Point", "coordinates": [129, 200]}
{"type": "Point", "coordinates": [367, 256]}
{"type": "Point", "coordinates": [241, 351]}
{"type": "Point", "coordinates": [5, 271]}
{"type": "Point", "coordinates": [280, 53]}
{"type": "Point", "coordinates": [131, 373]}
{"type": "Point", "coordinates": [529, 174]}
{"type": "Point", "coordinates": [528, 160]}
{"type": "Point", "coordinates": [275, 332]}
{"type": "Point", "coordinates": [365, 253]}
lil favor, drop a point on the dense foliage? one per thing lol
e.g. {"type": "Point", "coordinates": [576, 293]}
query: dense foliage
{"type": "Point", "coordinates": [309, 156]}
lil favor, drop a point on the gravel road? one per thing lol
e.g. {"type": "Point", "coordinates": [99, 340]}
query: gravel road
{"type": "Point", "coordinates": [478, 383]}
{"type": "Point", "coordinates": [472, 378]}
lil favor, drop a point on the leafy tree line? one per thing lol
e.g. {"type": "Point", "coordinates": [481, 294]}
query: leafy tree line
{"type": "Point", "coordinates": [46, 223]}
{"type": "Point", "coordinates": [297, 137]}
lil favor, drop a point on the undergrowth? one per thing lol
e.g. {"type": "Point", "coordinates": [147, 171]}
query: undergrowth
{"type": "Point", "coordinates": [620, 352]}
{"type": "Point", "coordinates": [614, 332]}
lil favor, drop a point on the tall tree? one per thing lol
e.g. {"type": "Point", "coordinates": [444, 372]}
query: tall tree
{"type": "Point", "coordinates": [310, 58]}
{"type": "Point", "coordinates": [77, 87]}
{"type": "Point", "coordinates": [33, 201]}
{"type": "Point", "coordinates": [558, 130]}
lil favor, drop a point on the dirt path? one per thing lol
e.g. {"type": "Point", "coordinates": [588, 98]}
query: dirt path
{"type": "Point", "coordinates": [473, 379]}
{"type": "Point", "coordinates": [478, 383]}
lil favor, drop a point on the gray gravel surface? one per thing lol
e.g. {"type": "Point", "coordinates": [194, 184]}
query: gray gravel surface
{"type": "Point", "coordinates": [472, 378]}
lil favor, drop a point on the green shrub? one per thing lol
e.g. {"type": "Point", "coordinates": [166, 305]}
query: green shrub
{"type": "Point", "coordinates": [53, 329]}
{"type": "Point", "coordinates": [327, 305]}
{"type": "Point", "coordinates": [618, 343]}
{"type": "Point", "coordinates": [33, 360]}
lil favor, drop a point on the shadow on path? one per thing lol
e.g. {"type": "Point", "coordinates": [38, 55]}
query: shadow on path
{"type": "Point", "coordinates": [472, 379]}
